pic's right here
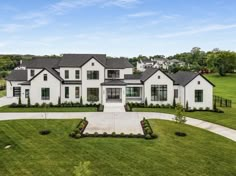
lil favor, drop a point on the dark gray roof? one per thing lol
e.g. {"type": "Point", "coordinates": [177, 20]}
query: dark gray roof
{"type": "Point", "coordinates": [184, 77]}
{"type": "Point", "coordinates": [42, 62]}
{"type": "Point", "coordinates": [115, 63]}
{"type": "Point", "coordinates": [148, 73]}
{"type": "Point", "coordinates": [135, 76]}
{"type": "Point", "coordinates": [77, 60]}
{"type": "Point", "coordinates": [72, 82]}
{"type": "Point", "coordinates": [114, 83]}
{"type": "Point", "coordinates": [17, 75]}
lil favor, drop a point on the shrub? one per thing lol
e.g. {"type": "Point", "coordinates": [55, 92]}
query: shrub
{"type": "Point", "coordinates": [51, 104]}
{"type": "Point", "coordinates": [154, 136]}
{"type": "Point", "coordinates": [96, 134]}
{"type": "Point", "coordinates": [148, 136]}
{"type": "Point", "coordinates": [78, 135]}
{"type": "Point", "coordinates": [36, 105]}
{"type": "Point", "coordinates": [44, 132]}
{"type": "Point", "coordinates": [100, 108]}
{"type": "Point", "coordinates": [113, 133]}
{"type": "Point", "coordinates": [28, 102]}
{"type": "Point", "coordinates": [162, 106]}
{"type": "Point", "coordinates": [104, 134]}
{"type": "Point", "coordinates": [72, 134]}
{"type": "Point", "coordinates": [122, 134]}
{"type": "Point", "coordinates": [158, 106]}
{"type": "Point", "coordinates": [13, 105]}
{"type": "Point", "coordinates": [207, 109]}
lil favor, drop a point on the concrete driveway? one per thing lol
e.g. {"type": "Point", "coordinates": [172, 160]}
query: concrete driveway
{"type": "Point", "coordinates": [7, 101]}
{"type": "Point", "coordinates": [127, 122]}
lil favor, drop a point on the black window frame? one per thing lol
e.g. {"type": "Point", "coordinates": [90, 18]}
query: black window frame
{"type": "Point", "coordinates": [93, 91]}
{"type": "Point", "coordinates": [67, 74]}
{"type": "Point", "coordinates": [45, 77]}
{"type": "Point", "coordinates": [77, 92]}
{"type": "Point", "coordinates": [45, 93]}
{"type": "Point", "coordinates": [27, 92]}
{"type": "Point", "coordinates": [198, 96]}
{"type": "Point", "coordinates": [176, 93]}
{"type": "Point", "coordinates": [32, 73]}
{"type": "Point", "coordinates": [77, 74]}
{"type": "Point", "coordinates": [67, 92]}
{"type": "Point", "coordinates": [159, 92]}
{"type": "Point", "coordinates": [92, 75]}
{"type": "Point", "coordinates": [16, 91]}
{"type": "Point", "coordinates": [133, 92]}
{"type": "Point", "coordinates": [114, 75]}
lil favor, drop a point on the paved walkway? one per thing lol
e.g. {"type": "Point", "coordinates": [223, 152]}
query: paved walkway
{"type": "Point", "coordinates": [114, 108]}
{"type": "Point", "coordinates": [121, 122]}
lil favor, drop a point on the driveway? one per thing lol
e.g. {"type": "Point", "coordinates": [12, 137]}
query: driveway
{"type": "Point", "coordinates": [7, 101]}
{"type": "Point", "coordinates": [127, 122]}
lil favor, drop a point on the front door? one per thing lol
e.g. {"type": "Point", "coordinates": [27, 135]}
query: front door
{"type": "Point", "coordinates": [113, 94]}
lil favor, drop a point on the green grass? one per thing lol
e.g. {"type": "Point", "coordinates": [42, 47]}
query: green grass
{"type": "Point", "coordinates": [200, 153]}
{"type": "Point", "coordinates": [226, 88]}
{"type": "Point", "coordinates": [52, 109]}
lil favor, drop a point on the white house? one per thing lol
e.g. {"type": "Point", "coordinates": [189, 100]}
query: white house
{"type": "Point", "coordinates": [161, 63]}
{"type": "Point", "coordinates": [98, 79]}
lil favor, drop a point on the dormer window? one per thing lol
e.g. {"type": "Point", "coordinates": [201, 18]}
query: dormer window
{"type": "Point", "coordinates": [32, 73]}
{"type": "Point", "coordinates": [45, 77]}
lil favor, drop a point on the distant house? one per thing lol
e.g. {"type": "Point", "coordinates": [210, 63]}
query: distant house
{"type": "Point", "coordinates": [161, 63]}
{"type": "Point", "coordinates": [97, 79]}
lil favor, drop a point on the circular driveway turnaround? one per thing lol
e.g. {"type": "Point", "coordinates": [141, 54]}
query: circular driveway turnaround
{"type": "Point", "coordinates": [127, 122]}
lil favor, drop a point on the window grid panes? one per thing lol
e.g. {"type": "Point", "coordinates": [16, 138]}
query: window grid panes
{"type": "Point", "coordinates": [176, 93]}
{"type": "Point", "coordinates": [77, 74]}
{"type": "Point", "coordinates": [92, 75]}
{"type": "Point", "coordinates": [67, 92]}
{"type": "Point", "coordinates": [45, 94]}
{"type": "Point", "coordinates": [16, 91]}
{"type": "Point", "coordinates": [133, 92]}
{"type": "Point", "coordinates": [77, 92]}
{"type": "Point", "coordinates": [198, 95]}
{"type": "Point", "coordinates": [113, 73]}
{"type": "Point", "coordinates": [26, 93]}
{"type": "Point", "coordinates": [93, 94]}
{"type": "Point", "coordinates": [66, 74]}
{"type": "Point", "coordinates": [159, 92]}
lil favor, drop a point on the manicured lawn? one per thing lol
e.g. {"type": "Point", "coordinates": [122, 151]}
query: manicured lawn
{"type": "Point", "coordinates": [52, 109]}
{"type": "Point", "coordinates": [225, 87]}
{"type": "Point", "coordinates": [2, 93]}
{"type": "Point", "coordinates": [200, 153]}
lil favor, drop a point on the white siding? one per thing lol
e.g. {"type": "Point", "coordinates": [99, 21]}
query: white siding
{"type": "Point", "coordinates": [123, 72]}
{"type": "Point", "coordinates": [72, 97]}
{"type": "Point", "coordinates": [36, 71]}
{"type": "Point", "coordinates": [38, 83]}
{"type": "Point", "coordinates": [164, 80]}
{"type": "Point", "coordinates": [207, 93]}
{"type": "Point", "coordinates": [71, 73]}
{"type": "Point", "coordinates": [92, 83]}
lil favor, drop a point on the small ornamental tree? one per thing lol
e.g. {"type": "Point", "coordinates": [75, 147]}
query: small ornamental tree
{"type": "Point", "coordinates": [19, 101]}
{"type": "Point", "coordinates": [187, 107]}
{"type": "Point", "coordinates": [179, 117]}
{"type": "Point", "coordinates": [174, 103]}
{"type": "Point", "coordinates": [28, 102]}
{"type": "Point", "coordinates": [59, 101]}
{"type": "Point", "coordinates": [145, 103]}
{"type": "Point", "coordinates": [81, 101]}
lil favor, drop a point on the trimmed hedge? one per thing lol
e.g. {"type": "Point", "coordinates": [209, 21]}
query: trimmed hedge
{"type": "Point", "coordinates": [147, 129]}
{"type": "Point", "coordinates": [114, 135]}
{"type": "Point", "coordinates": [79, 130]}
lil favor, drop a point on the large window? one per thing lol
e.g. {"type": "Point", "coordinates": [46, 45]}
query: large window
{"type": "Point", "coordinates": [32, 73]}
{"type": "Point", "coordinates": [66, 74]}
{"type": "Point", "coordinates": [77, 74]}
{"type": "Point", "coordinates": [45, 94]}
{"type": "Point", "coordinates": [26, 93]}
{"type": "Point", "coordinates": [198, 95]}
{"type": "Point", "coordinates": [67, 92]}
{"type": "Point", "coordinates": [16, 91]}
{"type": "Point", "coordinates": [93, 94]}
{"type": "Point", "coordinates": [77, 95]}
{"type": "Point", "coordinates": [113, 73]}
{"type": "Point", "coordinates": [133, 92]}
{"type": "Point", "coordinates": [159, 92]}
{"type": "Point", "coordinates": [92, 75]}
{"type": "Point", "coordinates": [176, 93]}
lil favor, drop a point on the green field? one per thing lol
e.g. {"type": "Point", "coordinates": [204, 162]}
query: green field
{"type": "Point", "coordinates": [200, 153]}
{"type": "Point", "coordinates": [226, 88]}
{"type": "Point", "coordinates": [51, 109]}
{"type": "Point", "coordinates": [2, 92]}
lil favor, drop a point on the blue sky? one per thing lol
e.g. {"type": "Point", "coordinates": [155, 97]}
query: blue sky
{"type": "Point", "coordinates": [116, 27]}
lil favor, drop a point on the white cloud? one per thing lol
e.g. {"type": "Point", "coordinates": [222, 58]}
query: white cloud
{"type": "Point", "coordinates": [192, 31]}
{"type": "Point", "coordinates": [142, 14]}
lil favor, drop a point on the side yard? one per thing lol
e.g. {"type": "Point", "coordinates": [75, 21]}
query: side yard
{"type": "Point", "coordinates": [225, 87]}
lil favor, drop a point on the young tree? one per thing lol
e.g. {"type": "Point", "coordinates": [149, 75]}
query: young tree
{"type": "Point", "coordinates": [179, 117]}
{"type": "Point", "coordinates": [174, 103]}
{"type": "Point", "coordinates": [19, 100]}
{"type": "Point", "coordinates": [28, 102]}
{"type": "Point", "coordinates": [82, 169]}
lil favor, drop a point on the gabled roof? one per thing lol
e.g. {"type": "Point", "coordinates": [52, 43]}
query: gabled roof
{"type": "Point", "coordinates": [50, 70]}
{"type": "Point", "coordinates": [17, 75]}
{"type": "Point", "coordinates": [42, 62]}
{"type": "Point", "coordinates": [77, 60]}
{"type": "Point", "coordinates": [184, 77]}
{"type": "Point", "coordinates": [116, 63]}
{"type": "Point", "coordinates": [151, 71]}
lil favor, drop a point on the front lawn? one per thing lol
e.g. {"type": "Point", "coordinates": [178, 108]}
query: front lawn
{"type": "Point", "coordinates": [51, 109]}
{"type": "Point", "coordinates": [2, 93]}
{"type": "Point", "coordinates": [200, 153]}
